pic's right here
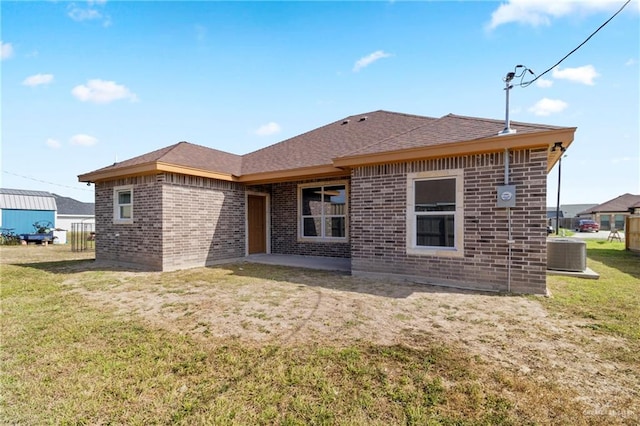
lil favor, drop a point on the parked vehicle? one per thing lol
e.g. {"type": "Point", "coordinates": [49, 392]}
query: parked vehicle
{"type": "Point", "coordinates": [587, 225]}
{"type": "Point", "coordinates": [43, 234]}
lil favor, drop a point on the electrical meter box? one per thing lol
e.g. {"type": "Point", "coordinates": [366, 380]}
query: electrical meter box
{"type": "Point", "coordinates": [506, 196]}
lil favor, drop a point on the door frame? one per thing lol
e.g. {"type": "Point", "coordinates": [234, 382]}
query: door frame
{"type": "Point", "coordinates": [267, 230]}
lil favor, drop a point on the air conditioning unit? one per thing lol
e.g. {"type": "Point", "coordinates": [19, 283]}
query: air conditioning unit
{"type": "Point", "coordinates": [566, 254]}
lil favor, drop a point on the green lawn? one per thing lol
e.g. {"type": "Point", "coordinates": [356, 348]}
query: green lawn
{"type": "Point", "coordinates": [65, 360]}
{"type": "Point", "coordinates": [611, 303]}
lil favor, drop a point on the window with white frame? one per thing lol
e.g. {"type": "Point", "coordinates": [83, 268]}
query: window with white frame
{"type": "Point", "coordinates": [435, 213]}
{"type": "Point", "coordinates": [323, 211]}
{"type": "Point", "coordinates": [123, 204]}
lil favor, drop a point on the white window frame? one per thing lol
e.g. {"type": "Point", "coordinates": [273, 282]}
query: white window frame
{"type": "Point", "coordinates": [411, 244]}
{"type": "Point", "coordinates": [116, 204]}
{"type": "Point", "coordinates": [322, 238]}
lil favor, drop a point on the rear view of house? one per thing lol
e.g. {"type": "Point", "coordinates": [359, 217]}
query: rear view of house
{"type": "Point", "coordinates": [445, 200]}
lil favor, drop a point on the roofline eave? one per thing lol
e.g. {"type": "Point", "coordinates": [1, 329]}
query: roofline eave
{"type": "Point", "coordinates": [476, 146]}
{"type": "Point", "coordinates": [151, 168]}
{"type": "Point", "coordinates": [312, 172]}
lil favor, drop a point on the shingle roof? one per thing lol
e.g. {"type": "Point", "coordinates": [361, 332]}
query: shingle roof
{"type": "Point", "coordinates": [68, 205]}
{"type": "Point", "coordinates": [22, 199]}
{"type": "Point", "coordinates": [572, 210]}
{"type": "Point", "coordinates": [448, 129]}
{"type": "Point", "coordinates": [370, 133]}
{"type": "Point", "coordinates": [337, 139]}
{"type": "Point", "coordinates": [618, 204]}
{"type": "Point", "coordinates": [188, 155]}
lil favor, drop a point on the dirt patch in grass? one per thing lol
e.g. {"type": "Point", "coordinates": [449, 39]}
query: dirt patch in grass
{"type": "Point", "coordinates": [269, 305]}
{"type": "Point", "coordinates": [513, 349]}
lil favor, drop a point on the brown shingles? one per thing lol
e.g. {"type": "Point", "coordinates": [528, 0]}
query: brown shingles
{"type": "Point", "coordinates": [618, 204]}
{"type": "Point", "coordinates": [188, 155]}
{"type": "Point", "coordinates": [448, 129]}
{"type": "Point", "coordinates": [381, 131]}
{"type": "Point", "coordinates": [318, 147]}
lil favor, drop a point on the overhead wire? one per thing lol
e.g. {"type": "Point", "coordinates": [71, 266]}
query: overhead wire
{"type": "Point", "coordinates": [528, 83]}
{"type": "Point", "coordinates": [47, 182]}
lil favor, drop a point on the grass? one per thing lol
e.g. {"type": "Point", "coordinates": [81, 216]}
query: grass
{"type": "Point", "coordinates": [67, 361]}
{"type": "Point", "coordinates": [610, 304]}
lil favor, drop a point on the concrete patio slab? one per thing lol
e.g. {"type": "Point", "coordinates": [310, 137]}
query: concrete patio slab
{"type": "Point", "coordinates": [587, 273]}
{"type": "Point", "coordinates": [311, 262]}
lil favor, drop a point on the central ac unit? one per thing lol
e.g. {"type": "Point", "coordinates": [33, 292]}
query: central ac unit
{"type": "Point", "coordinates": [565, 254]}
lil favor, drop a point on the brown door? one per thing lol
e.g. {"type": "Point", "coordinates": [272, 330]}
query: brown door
{"type": "Point", "coordinates": [257, 216]}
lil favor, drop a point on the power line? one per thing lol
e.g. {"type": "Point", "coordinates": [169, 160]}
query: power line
{"type": "Point", "coordinates": [47, 182]}
{"type": "Point", "coordinates": [528, 83]}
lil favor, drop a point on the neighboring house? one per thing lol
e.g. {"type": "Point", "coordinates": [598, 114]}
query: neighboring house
{"type": "Point", "coordinates": [73, 211]}
{"type": "Point", "coordinates": [568, 213]}
{"type": "Point", "coordinates": [612, 214]}
{"type": "Point", "coordinates": [402, 196]}
{"type": "Point", "coordinates": [22, 208]}
{"type": "Point", "coordinates": [572, 210]}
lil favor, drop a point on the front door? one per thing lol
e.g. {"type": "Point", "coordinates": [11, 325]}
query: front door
{"type": "Point", "coordinates": [257, 223]}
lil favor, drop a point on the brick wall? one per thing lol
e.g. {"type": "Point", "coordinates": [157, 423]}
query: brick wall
{"type": "Point", "coordinates": [203, 221]}
{"type": "Point", "coordinates": [284, 225]}
{"type": "Point", "coordinates": [178, 222]}
{"type": "Point", "coordinates": [378, 223]}
{"type": "Point", "coordinates": [137, 244]}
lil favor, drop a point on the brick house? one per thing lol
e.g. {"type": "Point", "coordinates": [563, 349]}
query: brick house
{"type": "Point", "coordinates": [402, 196]}
{"type": "Point", "coordinates": [612, 214]}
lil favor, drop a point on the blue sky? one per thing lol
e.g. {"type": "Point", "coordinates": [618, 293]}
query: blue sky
{"type": "Point", "coordinates": [85, 83]}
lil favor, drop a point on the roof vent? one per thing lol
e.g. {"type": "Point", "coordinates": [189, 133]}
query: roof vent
{"type": "Point", "coordinates": [363, 118]}
{"type": "Point", "coordinates": [345, 122]}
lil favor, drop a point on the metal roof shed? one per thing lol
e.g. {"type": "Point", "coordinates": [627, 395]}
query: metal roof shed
{"type": "Point", "coordinates": [22, 208]}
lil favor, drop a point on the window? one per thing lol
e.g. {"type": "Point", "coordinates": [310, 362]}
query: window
{"type": "Point", "coordinates": [123, 204]}
{"type": "Point", "coordinates": [619, 222]}
{"type": "Point", "coordinates": [434, 213]}
{"type": "Point", "coordinates": [323, 211]}
{"type": "Point", "coordinates": [605, 222]}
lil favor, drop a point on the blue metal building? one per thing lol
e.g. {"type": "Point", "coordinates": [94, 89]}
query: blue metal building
{"type": "Point", "coordinates": [22, 208]}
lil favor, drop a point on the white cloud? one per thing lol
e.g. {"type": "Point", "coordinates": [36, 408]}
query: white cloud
{"type": "Point", "coordinates": [544, 83]}
{"type": "Point", "coordinates": [540, 12]}
{"type": "Point", "coordinates": [52, 143]}
{"type": "Point", "coordinates": [83, 140]}
{"type": "Point", "coordinates": [102, 92]}
{"type": "Point", "coordinates": [6, 50]}
{"type": "Point", "coordinates": [631, 61]}
{"type": "Point", "coordinates": [369, 59]}
{"type": "Point", "coordinates": [89, 12]}
{"type": "Point", "coordinates": [584, 75]}
{"type": "Point", "coordinates": [79, 14]}
{"type": "Point", "coordinates": [546, 106]}
{"type": "Point", "coordinates": [38, 79]}
{"type": "Point", "coordinates": [268, 129]}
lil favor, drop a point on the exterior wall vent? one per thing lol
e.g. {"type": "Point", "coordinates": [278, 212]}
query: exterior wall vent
{"type": "Point", "coordinates": [566, 254]}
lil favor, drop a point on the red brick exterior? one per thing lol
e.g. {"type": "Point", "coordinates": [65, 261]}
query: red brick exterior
{"type": "Point", "coordinates": [178, 222]}
{"type": "Point", "coordinates": [137, 244]}
{"type": "Point", "coordinates": [181, 221]}
{"type": "Point", "coordinates": [284, 225]}
{"type": "Point", "coordinates": [378, 224]}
